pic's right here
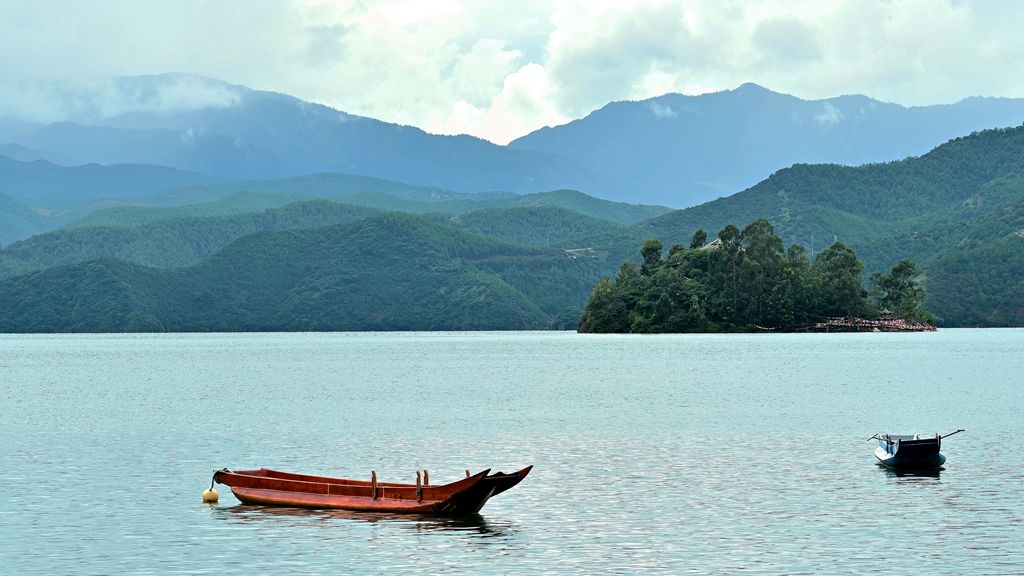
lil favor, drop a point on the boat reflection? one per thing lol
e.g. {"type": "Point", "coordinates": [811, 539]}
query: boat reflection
{"type": "Point", "coordinates": [473, 524]}
{"type": "Point", "coordinates": [910, 473]}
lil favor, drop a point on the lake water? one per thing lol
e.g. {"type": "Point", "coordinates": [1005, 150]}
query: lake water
{"type": "Point", "coordinates": [661, 454]}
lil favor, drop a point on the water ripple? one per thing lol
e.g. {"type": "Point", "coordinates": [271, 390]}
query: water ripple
{"type": "Point", "coordinates": [678, 455]}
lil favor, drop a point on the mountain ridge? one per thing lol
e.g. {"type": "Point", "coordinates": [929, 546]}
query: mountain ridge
{"type": "Point", "coordinates": [390, 272]}
{"type": "Point", "coordinates": [710, 145]}
{"type": "Point", "coordinates": [673, 149]}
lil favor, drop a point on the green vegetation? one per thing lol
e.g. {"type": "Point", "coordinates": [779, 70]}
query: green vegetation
{"type": "Point", "coordinates": [743, 281]}
{"type": "Point", "coordinates": [981, 287]}
{"type": "Point", "coordinates": [957, 213]}
{"type": "Point", "coordinates": [541, 226]}
{"type": "Point", "coordinates": [899, 293]}
{"type": "Point", "coordinates": [237, 203]}
{"type": "Point", "coordinates": [619, 212]}
{"type": "Point", "coordinates": [390, 272]}
{"type": "Point", "coordinates": [397, 197]}
{"type": "Point", "coordinates": [165, 243]}
{"type": "Point", "coordinates": [953, 207]}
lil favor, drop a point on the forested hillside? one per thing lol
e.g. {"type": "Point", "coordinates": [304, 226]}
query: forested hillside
{"type": "Point", "coordinates": [964, 198]}
{"type": "Point", "coordinates": [392, 272]}
{"type": "Point", "coordinates": [542, 226]}
{"type": "Point", "coordinates": [138, 215]}
{"type": "Point", "coordinates": [399, 197]}
{"type": "Point", "coordinates": [746, 280]}
{"type": "Point", "coordinates": [957, 212]}
{"type": "Point", "coordinates": [165, 243]}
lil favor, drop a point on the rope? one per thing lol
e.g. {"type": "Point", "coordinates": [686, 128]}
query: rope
{"type": "Point", "coordinates": [215, 473]}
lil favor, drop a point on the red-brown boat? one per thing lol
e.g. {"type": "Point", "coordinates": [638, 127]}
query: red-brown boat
{"type": "Point", "coordinates": [274, 488]}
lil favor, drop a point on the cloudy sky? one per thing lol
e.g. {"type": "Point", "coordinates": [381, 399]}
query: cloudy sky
{"type": "Point", "coordinates": [500, 69]}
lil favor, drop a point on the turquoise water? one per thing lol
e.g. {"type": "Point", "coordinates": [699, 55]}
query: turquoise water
{"type": "Point", "coordinates": [661, 454]}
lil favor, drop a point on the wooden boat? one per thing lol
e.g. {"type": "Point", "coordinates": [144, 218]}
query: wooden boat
{"type": "Point", "coordinates": [274, 488]}
{"type": "Point", "coordinates": [914, 451]}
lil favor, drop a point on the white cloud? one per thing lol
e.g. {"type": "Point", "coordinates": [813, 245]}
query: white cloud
{"type": "Point", "coordinates": [500, 69]}
{"type": "Point", "coordinates": [829, 116]}
{"type": "Point", "coordinates": [661, 111]}
{"type": "Point", "coordinates": [523, 105]}
{"type": "Point", "coordinates": [90, 100]}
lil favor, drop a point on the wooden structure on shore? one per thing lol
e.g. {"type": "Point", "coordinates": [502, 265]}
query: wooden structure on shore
{"type": "Point", "coordinates": [882, 324]}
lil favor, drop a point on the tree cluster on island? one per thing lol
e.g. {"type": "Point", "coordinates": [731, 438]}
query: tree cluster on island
{"type": "Point", "coordinates": [746, 280]}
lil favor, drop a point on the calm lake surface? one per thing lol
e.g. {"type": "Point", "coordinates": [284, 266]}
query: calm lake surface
{"type": "Point", "coordinates": [662, 454]}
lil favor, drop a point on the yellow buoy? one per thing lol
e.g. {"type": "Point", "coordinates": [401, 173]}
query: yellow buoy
{"type": "Point", "coordinates": [210, 496]}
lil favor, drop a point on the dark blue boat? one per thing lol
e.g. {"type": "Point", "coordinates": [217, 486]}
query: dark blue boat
{"type": "Point", "coordinates": [918, 452]}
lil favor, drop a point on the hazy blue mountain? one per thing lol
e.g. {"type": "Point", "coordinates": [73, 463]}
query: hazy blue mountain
{"type": "Point", "coordinates": [673, 150]}
{"type": "Point", "coordinates": [138, 215]}
{"type": "Point", "coordinates": [23, 154]}
{"type": "Point", "coordinates": [17, 221]}
{"type": "Point", "coordinates": [193, 151]}
{"type": "Point", "coordinates": [329, 186]}
{"type": "Point", "coordinates": [49, 196]}
{"type": "Point", "coordinates": [41, 184]}
{"type": "Point", "coordinates": [398, 197]}
{"type": "Point", "coordinates": [683, 150]}
{"type": "Point", "coordinates": [239, 133]}
{"type": "Point", "coordinates": [11, 128]}
{"type": "Point", "coordinates": [122, 195]}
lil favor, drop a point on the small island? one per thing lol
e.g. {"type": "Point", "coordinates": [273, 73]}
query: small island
{"type": "Point", "coordinates": [746, 281]}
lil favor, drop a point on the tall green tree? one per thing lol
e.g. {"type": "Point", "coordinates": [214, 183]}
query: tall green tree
{"type": "Point", "coordinates": [745, 281]}
{"type": "Point", "coordinates": [760, 276]}
{"type": "Point", "coordinates": [899, 293]}
{"type": "Point", "coordinates": [651, 253]}
{"type": "Point", "coordinates": [723, 275]}
{"type": "Point", "coordinates": [700, 238]}
{"type": "Point", "coordinates": [802, 287]}
{"type": "Point", "coordinates": [839, 272]}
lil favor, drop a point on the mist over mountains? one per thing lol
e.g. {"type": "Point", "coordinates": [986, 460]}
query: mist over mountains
{"type": "Point", "coordinates": [674, 150]}
{"type": "Point", "coordinates": [233, 132]}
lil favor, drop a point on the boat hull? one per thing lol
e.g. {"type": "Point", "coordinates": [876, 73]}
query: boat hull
{"type": "Point", "coordinates": [910, 452]}
{"type": "Point", "coordinates": [273, 488]}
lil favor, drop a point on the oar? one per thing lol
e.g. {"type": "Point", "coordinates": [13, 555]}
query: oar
{"type": "Point", "coordinates": [951, 433]}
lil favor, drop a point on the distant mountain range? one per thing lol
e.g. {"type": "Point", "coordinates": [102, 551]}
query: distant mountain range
{"type": "Point", "coordinates": [683, 150]}
{"type": "Point", "coordinates": [673, 150]}
{"type": "Point", "coordinates": [182, 235]}
{"type": "Point", "coordinates": [151, 247]}
{"type": "Point", "coordinates": [38, 196]}
{"type": "Point", "coordinates": [256, 260]}
{"type": "Point", "coordinates": [251, 134]}
{"type": "Point", "coordinates": [51, 187]}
